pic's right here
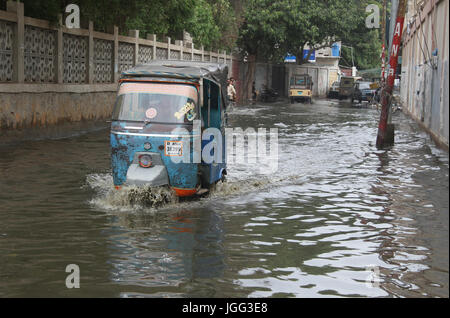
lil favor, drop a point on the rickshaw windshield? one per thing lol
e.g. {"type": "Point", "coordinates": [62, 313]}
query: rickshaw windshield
{"type": "Point", "coordinates": [300, 81]}
{"type": "Point", "coordinates": [158, 103]}
{"type": "Point", "coordinates": [347, 82]}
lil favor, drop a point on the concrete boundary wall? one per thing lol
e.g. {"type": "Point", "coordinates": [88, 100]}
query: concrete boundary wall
{"type": "Point", "coordinates": [51, 74]}
{"type": "Point", "coordinates": [31, 109]}
{"type": "Point", "coordinates": [56, 88]}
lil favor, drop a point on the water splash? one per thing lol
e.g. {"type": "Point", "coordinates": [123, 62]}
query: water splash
{"type": "Point", "coordinates": [138, 198]}
{"type": "Point", "coordinates": [128, 198]}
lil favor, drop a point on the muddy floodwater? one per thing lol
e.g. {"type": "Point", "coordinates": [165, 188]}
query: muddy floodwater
{"type": "Point", "coordinates": [338, 218]}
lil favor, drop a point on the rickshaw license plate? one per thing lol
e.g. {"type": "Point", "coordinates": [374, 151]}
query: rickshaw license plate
{"type": "Point", "coordinates": [173, 148]}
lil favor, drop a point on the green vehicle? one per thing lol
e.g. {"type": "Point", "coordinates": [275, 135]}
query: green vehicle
{"type": "Point", "coordinates": [347, 86]}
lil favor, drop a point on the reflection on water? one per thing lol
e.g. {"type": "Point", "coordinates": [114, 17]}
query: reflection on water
{"type": "Point", "coordinates": [162, 256]}
{"type": "Point", "coordinates": [338, 218]}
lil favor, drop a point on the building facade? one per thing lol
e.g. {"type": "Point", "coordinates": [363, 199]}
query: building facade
{"type": "Point", "coordinates": [424, 74]}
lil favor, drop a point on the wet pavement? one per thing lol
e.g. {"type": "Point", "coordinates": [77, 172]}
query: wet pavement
{"type": "Point", "coordinates": [339, 218]}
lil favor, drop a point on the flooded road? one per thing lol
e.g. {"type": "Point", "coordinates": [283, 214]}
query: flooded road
{"type": "Point", "coordinates": [339, 218]}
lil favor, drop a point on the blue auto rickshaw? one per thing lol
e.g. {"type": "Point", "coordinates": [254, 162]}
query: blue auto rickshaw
{"type": "Point", "coordinates": [160, 117]}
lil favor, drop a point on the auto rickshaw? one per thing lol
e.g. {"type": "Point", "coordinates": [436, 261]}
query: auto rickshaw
{"type": "Point", "coordinates": [300, 88]}
{"type": "Point", "coordinates": [161, 113]}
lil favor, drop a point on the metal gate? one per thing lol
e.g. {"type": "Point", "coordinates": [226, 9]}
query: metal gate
{"type": "Point", "coordinates": [278, 79]}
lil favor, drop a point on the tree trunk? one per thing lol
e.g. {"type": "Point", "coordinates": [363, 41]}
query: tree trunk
{"type": "Point", "coordinates": [249, 78]}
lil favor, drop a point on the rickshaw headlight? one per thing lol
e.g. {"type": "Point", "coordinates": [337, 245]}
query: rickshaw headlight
{"type": "Point", "coordinates": [145, 161]}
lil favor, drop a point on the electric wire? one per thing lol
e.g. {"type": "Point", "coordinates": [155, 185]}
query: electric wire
{"type": "Point", "coordinates": [425, 56]}
{"type": "Point", "coordinates": [423, 35]}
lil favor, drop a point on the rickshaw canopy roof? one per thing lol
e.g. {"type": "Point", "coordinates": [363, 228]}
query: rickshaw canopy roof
{"type": "Point", "coordinates": [217, 72]}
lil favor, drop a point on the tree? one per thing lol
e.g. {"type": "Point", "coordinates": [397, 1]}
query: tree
{"type": "Point", "coordinates": [226, 21]}
{"type": "Point", "coordinates": [258, 36]}
{"type": "Point", "coordinates": [318, 24]}
{"type": "Point", "coordinates": [271, 29]}
{"type": "Point", "coordinates": [366, 42]}
{"type": "Point", "coordinates": [167, 17]}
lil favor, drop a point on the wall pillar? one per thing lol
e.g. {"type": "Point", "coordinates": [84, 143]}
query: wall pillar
{"type": "Point", "coordinates": [168, 47]}
{"type": "Point", "coordinates": [59, 54]}
{"type": "Point", "coordinates": [135, 35]}
{"type": "Point", "coordinates": [116, 74]}
{"type": "Point", "coordinates": [179, 44]}
{"type": "Point", "coordinates": [152, 37]}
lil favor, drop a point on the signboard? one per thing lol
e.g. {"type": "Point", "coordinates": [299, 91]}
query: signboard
{"type": "Point", "coordinates": [290, 59]}
{"type": "Point", "coordinates": [312, 58]}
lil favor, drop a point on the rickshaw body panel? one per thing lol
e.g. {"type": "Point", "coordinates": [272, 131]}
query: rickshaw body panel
{"type": "Point", "coordinates": [125, 144]}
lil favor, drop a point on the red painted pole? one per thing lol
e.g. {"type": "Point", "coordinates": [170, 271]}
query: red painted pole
{"type": "Point", "coordinates": [383, 62]}
{"type": "Point", "coordinates": [383, 39]}
{"type": "Point", "coordinates": [385, 130]}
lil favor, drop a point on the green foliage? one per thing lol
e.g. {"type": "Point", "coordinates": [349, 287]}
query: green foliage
{"type": "Point", "coordinates": [42, 9]}
{"type": "Point", "coordinates": [202, 27]}
{"type": "Point", "coordinates": [366, 43]}
{"type": "Point", "coordinates": [225, 18]}
{"type": "Point", "coordinates": [210, 22]}
{"type": "Point", "coordinates": [273, 28]}
{"type": "Point", "coordinates": [259, 33]}
{"type": "Point", "coordinates": [168, 17]}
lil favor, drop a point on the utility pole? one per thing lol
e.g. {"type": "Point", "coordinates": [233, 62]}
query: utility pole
{"type": "Point", "coordinates": [383, 41]}
{"type": "Point", "coordinates": [393, 22]}
{"type": "Point", "coordinates": [385, 129]}
{"type": "Point", "coordinates": [353, 59]}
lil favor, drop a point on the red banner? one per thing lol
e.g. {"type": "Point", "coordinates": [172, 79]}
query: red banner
{"type": "Point", "coordinates": [395, 50]}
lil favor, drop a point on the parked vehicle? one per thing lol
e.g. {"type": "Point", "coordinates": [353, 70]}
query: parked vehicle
{"type": "Point", "coordinates": [161, 110]}
{"type": "Point", "coordinates": [363, 92]}
{"type": "Point", "coordinates": [346, 86]}
{"type": "Point", "coordinates": [301, 88]}
{"type": "Point", "coordinates": [334, 90]}
{"type": "Point", "coordinates": [268, 95]}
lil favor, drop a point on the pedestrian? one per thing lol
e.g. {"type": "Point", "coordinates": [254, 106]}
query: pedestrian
{"type": "Point", "coordinates": [233, 82]}
{"type": "Point", "coordinates": [231, 91]}
{"type": "Point", "coordinates": [254, 91]}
